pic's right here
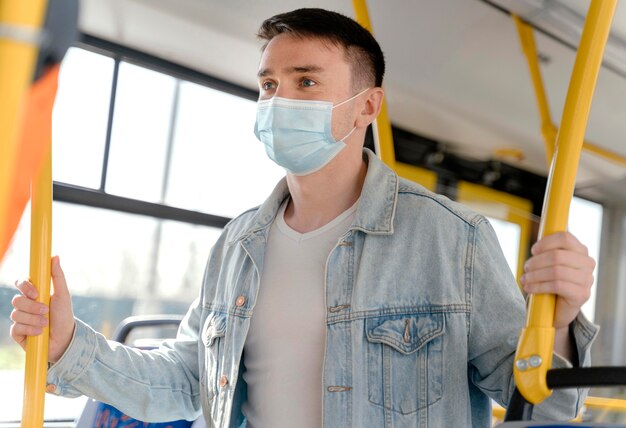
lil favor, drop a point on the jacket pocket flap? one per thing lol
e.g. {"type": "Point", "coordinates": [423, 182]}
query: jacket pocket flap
{"type": "Point", "coordinates": [214, 327]}
{"type": "Point", "coordinates": [405, 334]}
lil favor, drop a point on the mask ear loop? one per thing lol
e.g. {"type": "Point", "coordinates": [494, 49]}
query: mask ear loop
{"type": "Point", "coordinates": [351, 98]}
{"type": "Point", "coordinates": [347, 135]}
{"type": "Point", "coordinates": [346, 101]}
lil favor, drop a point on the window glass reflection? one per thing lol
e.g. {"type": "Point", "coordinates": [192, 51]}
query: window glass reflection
{"type": "Point", "coordinates": [585, 222]}
{"type": "Point", "coordinates": [218, 165]}
{"type": "Point", "coordinates": [79, 120]}
{"type": "Point", "coordinates": [141, 126]}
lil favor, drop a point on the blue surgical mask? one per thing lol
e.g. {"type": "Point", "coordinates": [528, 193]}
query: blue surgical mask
{"type": "Point", "coordinates": [297, 133]}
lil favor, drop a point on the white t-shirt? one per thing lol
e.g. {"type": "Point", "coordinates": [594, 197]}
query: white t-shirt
{"type": "Point", "coordinates": [284, 350]}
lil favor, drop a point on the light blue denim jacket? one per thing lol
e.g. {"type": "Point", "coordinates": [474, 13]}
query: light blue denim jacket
{"type": "Point", "coordinates": [423, 316]}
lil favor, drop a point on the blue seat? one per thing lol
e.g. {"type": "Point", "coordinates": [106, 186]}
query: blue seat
{"type": "Point", "coordinates": [102, 415]}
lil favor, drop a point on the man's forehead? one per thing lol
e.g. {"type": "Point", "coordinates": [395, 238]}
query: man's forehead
{"type": "Point", "coordinates": [290, 54]}
{"type": "Point", "coordinates": [297, 43]}
{"type": "Point", "coordinates": [295, 38]}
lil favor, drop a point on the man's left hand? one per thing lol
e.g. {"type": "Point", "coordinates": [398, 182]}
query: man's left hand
{"type": "Point", "coordinates": [560, 265]}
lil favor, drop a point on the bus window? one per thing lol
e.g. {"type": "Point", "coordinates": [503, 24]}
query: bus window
{"type": "Point", "coordinates": [80, 117]}
{"type": "Point", "coordinates": [585, 222]}
{"type": "Point", "coordinates": [211, 127]}
{"type": "Point", "coordinates": [168, 144]}
{"type": "Point", "coordinates": [135, 265]}
{"type": "Point", "coordinates": [144, 102]}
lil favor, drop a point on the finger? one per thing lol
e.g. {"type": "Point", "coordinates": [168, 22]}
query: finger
{"type": "Point", "coordinates": [560, 258]}
{"type": "Point", "coordinates": [20, 331]}
{"type": "Point", "coordinates": [557, 273]}
{"type": "Point", "coordinates": [29, 306]}
{"type": "Point", "coordinates": [58, 278]}
{"type": "Point", "coordinates": [20, 339]}
{"type": "Point", "coordinates": [27, 289]}
{"type": "Point", "coordinates": [25, 318]}
{"type": "Point", "coordinates": [559, 240]}
{"type": "Point", "coordinates": [572, 294]}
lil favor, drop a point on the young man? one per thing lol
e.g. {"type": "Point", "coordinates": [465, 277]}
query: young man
{"type": "Point", "coordinates": [350, 297]}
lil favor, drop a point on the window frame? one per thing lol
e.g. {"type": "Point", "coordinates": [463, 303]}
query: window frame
{"type": "Point", "coordinates": [99, 198]}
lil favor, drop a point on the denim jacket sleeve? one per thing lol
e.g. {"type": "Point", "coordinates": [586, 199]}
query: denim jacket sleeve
{"type": "Point", "coordinates": [496, 319]}
{"type": "Point", "coordinates": [156, 385]}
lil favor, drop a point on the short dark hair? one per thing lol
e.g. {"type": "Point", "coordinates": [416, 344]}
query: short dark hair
{"type": "Point", "coordinates": [361, 48]}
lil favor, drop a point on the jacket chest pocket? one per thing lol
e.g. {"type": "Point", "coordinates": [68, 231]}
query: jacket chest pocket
{"type": "Point", "coordinates": [405, 361]}
{"type": "Point", "coordinates": [213, 333]}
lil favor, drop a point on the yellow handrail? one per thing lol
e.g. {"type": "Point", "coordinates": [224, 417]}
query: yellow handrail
{"type": "Point", "coordinates": [40, 246]}
{"type": "Point", "coordinates": [607, 154]}
{"type": "Point", "coordinates": [527, 41]}
{"type": "Point", "coordinates": [548, 129]}
{"type": "Point", "coordinates": [536, 344]}
{"type": "Point", "coordinates": [608, 404]}
{"type": "Point", "coordinates": [382, 126]}
{"type": "Point", "coordinates": [22, 21]}
{"type": "Point", "coordinates": [383, 136]}
{"type": "Point", "coordinates": [17, 64]}
{"type": "Point", "coordinates": [612, 404]}
{"type": "Point", "coordinates": [36, 151]}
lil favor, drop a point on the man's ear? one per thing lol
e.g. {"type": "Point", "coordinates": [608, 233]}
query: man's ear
{"type": "Point", "coordinates": [373, 104]}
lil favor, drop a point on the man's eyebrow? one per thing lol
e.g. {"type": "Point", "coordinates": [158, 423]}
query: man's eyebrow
{"type": "Point", "coordinates": [305, 69]}
{"type": "Point", "coordinates": [294, 69]}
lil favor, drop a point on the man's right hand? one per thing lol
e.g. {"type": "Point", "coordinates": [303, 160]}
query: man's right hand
{"type": "Point", "coordinates": [30, 317]}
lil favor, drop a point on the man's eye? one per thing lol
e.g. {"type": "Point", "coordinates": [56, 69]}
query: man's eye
{"type": "Point", "coordinates": [266, 86]}
{"type": "Point", "coordinates": [307, 83]}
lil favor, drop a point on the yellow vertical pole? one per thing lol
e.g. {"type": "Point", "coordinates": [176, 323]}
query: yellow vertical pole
{"type": "Point", "coordinates": [21, 21]}
{"type": "Point", "coordinates": [17, 63]}
{"type": "Point", "coordinates": [536, 345]}
{"type": "Point", "coordinates": [382, 126]}
{"type": "Point", "coordinates": [40, 247]}
{"type": "Point", "coordinates": [548, 130]}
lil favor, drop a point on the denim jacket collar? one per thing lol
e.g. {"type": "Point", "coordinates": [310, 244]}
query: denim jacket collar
{"type": "Point", "coordinates": [374, 214]}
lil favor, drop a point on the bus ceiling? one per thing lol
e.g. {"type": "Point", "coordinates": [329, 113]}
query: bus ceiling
{"type": "Point", "coordinates": [456, 72]}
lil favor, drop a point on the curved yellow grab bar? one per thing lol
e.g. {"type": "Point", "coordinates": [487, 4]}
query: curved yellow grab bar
{"type": "Point", "coordinates": [536, 344]}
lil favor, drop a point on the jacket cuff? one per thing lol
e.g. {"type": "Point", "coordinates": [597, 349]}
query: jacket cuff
{"type": "Point", "coordinates": [584, 333]}
{"type": "Point", "coordinates": [77, 358]}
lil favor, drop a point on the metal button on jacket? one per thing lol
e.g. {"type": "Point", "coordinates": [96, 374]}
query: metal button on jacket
{"type": "Point", "coordinates": [223, 381]}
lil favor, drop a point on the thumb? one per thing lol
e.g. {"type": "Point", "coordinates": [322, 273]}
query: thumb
{"type": "Point", "coordinates": [58, 278]}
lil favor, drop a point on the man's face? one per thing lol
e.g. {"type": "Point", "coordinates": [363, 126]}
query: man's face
{"type": "Point", "coordinates": [308, 69]}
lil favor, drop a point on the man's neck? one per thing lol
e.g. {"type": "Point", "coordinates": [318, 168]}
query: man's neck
{"type": "Point", "coordinates": [318, 198]}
